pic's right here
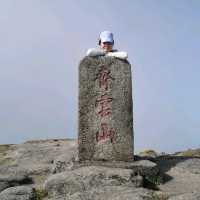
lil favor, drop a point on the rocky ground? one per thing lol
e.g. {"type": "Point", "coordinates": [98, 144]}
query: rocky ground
{"type": "Point", "coordinates": [49, 170]}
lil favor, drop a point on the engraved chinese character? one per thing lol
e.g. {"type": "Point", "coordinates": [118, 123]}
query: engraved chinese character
{"type": "Point", "coordinates": [106, 133]}
{"type": "Point", "coordinates": [104, 77]}
{"type": "Point", "coordinates": [104, 103]}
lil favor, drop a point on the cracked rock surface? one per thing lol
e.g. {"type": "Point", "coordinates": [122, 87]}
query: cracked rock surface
{"type": "Point", "coordinates": [50, 170]}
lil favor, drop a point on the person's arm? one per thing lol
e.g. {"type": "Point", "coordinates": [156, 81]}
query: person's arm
{"type": "Point", "coordinates": [95, 52]}
{"type": "Point", "coordinates": [118, 54]}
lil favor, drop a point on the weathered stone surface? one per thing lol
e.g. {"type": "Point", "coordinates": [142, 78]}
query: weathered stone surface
{"type": "Point", "coordinates": [65, 161]}
{"type": "Point", "coordinates": [111, 193]}
{"type": "Point", "coordinates": [18, 193]}
{"type": "Point", "coordinates": [114, 193]}
{"type": "Point", "coordinates": [3, 185]}
{"type": "Point", "coordinates": [13, 180]}
{"type": "Point", "coordinates": [182, 176]}
{"type": "Point", "coordinates": [36, 160]}
{"type": "Point", "coordinates": [86, 179]}
{"type": "Point", "coordinates": [187, 196]}
{"type": "Point", "coordinates": [191, 165]}
{"type": "Point", "coordinates": [105, 109]}
{"type": "Point", "coordinates": [94, 180]}
{"type": "Point", "coordinates": [142, 167]}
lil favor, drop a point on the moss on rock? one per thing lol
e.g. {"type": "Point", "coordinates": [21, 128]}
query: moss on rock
{"type": "Point", "coordinates": [40, 194]}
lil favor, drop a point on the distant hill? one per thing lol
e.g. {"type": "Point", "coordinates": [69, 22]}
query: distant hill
{"type": "Point", "coordinates": [189, 152]}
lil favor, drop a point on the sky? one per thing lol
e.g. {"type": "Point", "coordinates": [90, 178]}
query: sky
{"type": "Point", "coordinates": [42, 43]}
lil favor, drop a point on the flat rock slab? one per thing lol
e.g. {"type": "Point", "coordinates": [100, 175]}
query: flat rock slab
{"type": "Point", "coordinates": [183, 177]}
{"type": "Point", "coordinates": [105, 109]}
{"type": "Point", "coordinates": [18, 193]}
{"type": "Point", "coordinates": [110, 193]}
{"type": "Point", "coordinates": [187, 196]}
{"type": "Point", "coordinates": [95, 182]}
{"type": "Point", "coordinates": [142, 167]}
{"type": "Point", "coordinates": [14, 180]}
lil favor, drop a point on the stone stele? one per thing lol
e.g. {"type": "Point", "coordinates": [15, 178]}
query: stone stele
{"type": "Point", "coordinates": [105, 109]}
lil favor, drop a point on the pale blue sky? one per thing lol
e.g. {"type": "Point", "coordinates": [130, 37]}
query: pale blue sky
{"type": "Point", "coordinates": [42, 42]}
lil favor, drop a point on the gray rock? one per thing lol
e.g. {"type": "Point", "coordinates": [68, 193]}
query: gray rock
{"type": "Point", "coordinates": [184, 177]}
{"type": "Point", "coordinates": [93, 180]}
{"type": "Point", "coordinates": [85, 179]}
{"type": "Point", "coordinates": [39, 158]}
{"type": "Point", "coordinates": [191, 165]}
{"type": "Point", "coordinates": [66, 160]}
{"type": "Point", "coordinates": [14, 180]}
{"type": "Point", "coordinates": [105, 109]}
{"type": "Point", "coordinates": [142, 167]}
{"type": "Point", "coordinates": [3, 185]}
{"type": "Point", "coordinates": [113, 193]}
{"type": "Point", "coordinates": [63, 184]}
{"type": "Point", "coordinates": [18, 193]}
{"type": "Point", "coordinates": [186, 196]}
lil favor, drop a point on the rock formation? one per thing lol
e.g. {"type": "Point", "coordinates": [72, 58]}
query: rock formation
{"type": "Point", "coordinates": [50, 170]}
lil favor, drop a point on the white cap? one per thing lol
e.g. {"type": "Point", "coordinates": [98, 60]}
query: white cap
{"type": "Point", "coordinates": [106, 36]}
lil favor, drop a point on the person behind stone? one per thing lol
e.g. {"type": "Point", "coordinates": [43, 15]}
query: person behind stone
{"type": "Point", "coordinates": [106, 43]}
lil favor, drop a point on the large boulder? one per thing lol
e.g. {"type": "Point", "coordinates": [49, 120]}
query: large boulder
{"type": "Point", "coordinates": [86, 180]}
{"type": "Point", "coordinates": [18, 193]}
{"type": "Point", "coordinates": [10, 180]}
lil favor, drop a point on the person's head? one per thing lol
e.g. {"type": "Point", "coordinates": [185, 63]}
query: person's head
{"type": "Point", "coordinates": [106, 41]}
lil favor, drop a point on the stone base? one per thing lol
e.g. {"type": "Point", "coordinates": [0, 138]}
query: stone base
{"type": "Point", "coordinates": [142, 167]}
{"type": "Point", "coordinates": [102, 180]}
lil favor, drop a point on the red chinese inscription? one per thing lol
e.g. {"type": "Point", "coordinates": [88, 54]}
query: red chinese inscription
{"type": "Point", "coordinates": [106, 133]}
{"type": "Point", "coordinates": [104, 102]}
{"type": "Point", "coordinates": [104, 77]}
